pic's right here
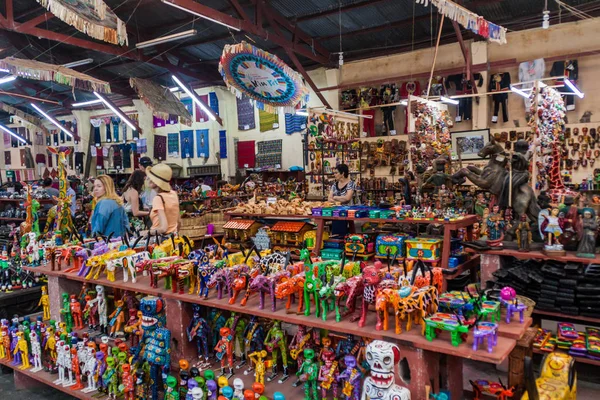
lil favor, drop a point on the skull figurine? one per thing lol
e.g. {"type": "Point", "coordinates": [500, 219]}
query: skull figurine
{"type": "Point", "coordinates": [379, 385]}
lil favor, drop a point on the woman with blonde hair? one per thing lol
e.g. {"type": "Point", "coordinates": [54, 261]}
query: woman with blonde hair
{"type": "Point", "coordinates": [109, 216]}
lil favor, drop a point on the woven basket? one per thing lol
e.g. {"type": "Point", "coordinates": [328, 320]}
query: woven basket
{"type": "Point", "coordinates": [193, 221]}
{"type": "Point", "coordinates": [193, 232]}
{"type": "Point", "coordinates": [529, 303]}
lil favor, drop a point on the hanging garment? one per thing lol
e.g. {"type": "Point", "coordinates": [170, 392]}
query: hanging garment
{"type": "Point", "coordinates": [173, 145]}
{"type": "Point", "coordinates": [160, 147]}
{"type": "Point", "coordinates": [268, 121]}
{"type": "Point", "coordinates": [126, 150]}
{"type": "Point", "coordinates": [124, 131]}
{"type": "Point", "coordinates": [55, 138]}
{"type": "Point", "coordinates": [570, 69]}
{"type": "Point", "coordinates": [79, 161]}
{"type": "Point", "coordinates": [369, 123]}
{"type": "Point", "coordinates": [202, 145]}
{"type": "Point", "coordinates": [7, 159]}
{"type": "Point", "coordinates": [50, 159]}
{"type": "Point", "coordinates": [142, 147]}
{"type": "Point", "coordinates": [7, 140]}
{"type": "Point", "coordinates": [458, 84]}
{"type": "Point", "coordinates": [115, 125]}
{"type": "Point", "coordinates": [107, 157]}
{"type": "Point", "coordinates": [388, 119]}
{"type": "Point", "coordinates": [187, 143]}
{"type": "Point", "coordinates": [245, 112]}
{"type": "Point", "coordinates": [96, 126]}
{"type": "Point", "coordinates": [530, 71]}
{"type": "Point", "coordinates": [498, 82]}
{"type": "Point", "coordinates": [117, 158]}
{"type": "Point", "coordinates": [107, 123]}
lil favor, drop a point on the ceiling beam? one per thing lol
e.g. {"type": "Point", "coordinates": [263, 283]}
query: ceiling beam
{"type": "Point", "coordinates": [378, 28]}
{"type": "Point", "coordinates": [306, 46]}
{"type": "Point", "coordinates": [35, 21]}
{"type": "Point", "coordinates": [239, 9]}
{"type": "Point", "coordinates": [336, 10]}
{"type": "Point", "coordinates": [466, 55]}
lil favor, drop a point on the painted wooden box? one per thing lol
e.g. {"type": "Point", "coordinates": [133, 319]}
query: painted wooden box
{"type": "Point", "coordinates": [395, 243]}
{"type": "Point", "coordinates": [362, 244]}
{"type": "Point", "coordinates": [424, 249]}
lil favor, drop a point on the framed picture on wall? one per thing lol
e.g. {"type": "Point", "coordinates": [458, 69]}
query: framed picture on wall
{"type": "Point", "coordinates": [469, 143]}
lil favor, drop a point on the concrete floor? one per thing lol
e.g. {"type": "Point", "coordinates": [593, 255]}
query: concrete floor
{"type": "Point", "coordinates": [7, 389]}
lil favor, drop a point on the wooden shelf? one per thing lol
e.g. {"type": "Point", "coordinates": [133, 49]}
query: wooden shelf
{"type": "Point", "coordinates": [577, 359]}
{"type": "Point", "coordinates": [561, 316]}
{"type": "Point", "coordinates": [412, 338]}
{"type": "Point", "coordinates": [19, 219]}
{"type": "Point", "coordinates": [466, 221]}
{"type": "Point", "coordinates": [48, 379]}
{"type": "Point", "coordinates": [274, 216]}
{"type": "Point", "coordinates": [270, 388]}
{"type": "Point", "coordinates": [538, 255]}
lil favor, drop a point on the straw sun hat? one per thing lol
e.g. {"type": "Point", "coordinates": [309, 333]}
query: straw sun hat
{"type": "Point", "coordinates": [161, 175]}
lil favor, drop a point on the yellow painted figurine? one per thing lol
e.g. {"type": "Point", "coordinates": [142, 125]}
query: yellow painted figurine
{"type": "Point", "coordinates": [260, 365]}
{"type": "Point", "coordinates": [45, 303]}
{"type": "Point", "coordinates": [21, 347]}
{"type": "Point", "coordinates": [50, 343]}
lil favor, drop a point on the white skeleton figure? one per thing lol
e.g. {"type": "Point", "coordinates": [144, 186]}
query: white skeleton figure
{"type": "Point", "coordinates": [82, 353]}
{"type": "Point", "coordinates": [379, 385]}
{"type": "Point", "coordinates": [68, 365]}
{"type": "Point", "coordinates": [89, 369]}
{"type": "Point", "coordinates": [197, 393]}
{"type": "Point", "coordinates": [100, 300]}
{"type": "Point", "coordinates": [36, 351]}
{"type": "Point", "coordinates": [60, 361]}
{"type": "Point", "coordinates": [238, 386]}
{"type": "Point", "coordinates": [33, 249]}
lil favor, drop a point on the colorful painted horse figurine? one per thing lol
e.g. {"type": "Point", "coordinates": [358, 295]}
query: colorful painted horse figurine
{"type": "Point", "coordinates": [348, 290]}
{"type": "Point", "coordinates": [312, 284]}
{"type": "Point", "coordinates": [263, 285]}
{"type": "Point", "coordinates": [371, 279]}
{"type": "Point", "coordinates": [290, 288]}
{"type": "Point", "coordinates": [328, 299]}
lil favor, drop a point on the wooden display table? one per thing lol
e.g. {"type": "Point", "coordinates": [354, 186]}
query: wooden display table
{"type": "Point", "coordinates": [424, 357]}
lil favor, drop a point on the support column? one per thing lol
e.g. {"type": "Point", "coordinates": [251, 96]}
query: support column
{"type": "Point", "coordinates": [417, 369]}
{"type": "Point", "coordinates": [516, 361]}
{"type": "Point", "coordinates": [489, 265]}
{"type": "Point", "coordinates": [480, 111]}
{"type": "Point", "coordinates": [178, 318]}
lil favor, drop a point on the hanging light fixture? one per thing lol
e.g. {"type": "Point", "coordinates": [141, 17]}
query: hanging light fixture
{"type": "Point", "coordinates": [79, 63]}
{"type": "Point", "coordinates": [574, 89]}
{"type": "Point", "coordinates": [166, 39]}
{"type": "Point", "coordinates": [116, 111]}
{"type": "Point", "coordinates": [519, 91]}
{"type": "Point", "coordinates": [54, 122]}
{"type": "Point", "coordinates": [448, 100]}
{"type": "Point", "coordinates": [13, 134]}
{"type": "Point", "coordinates": [86, 103]}
{"type": "Point", "coordinates": [196, 100]}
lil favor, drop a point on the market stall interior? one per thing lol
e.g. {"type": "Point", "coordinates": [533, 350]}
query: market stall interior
{"type": "Point", "coordinates": [357, 199]}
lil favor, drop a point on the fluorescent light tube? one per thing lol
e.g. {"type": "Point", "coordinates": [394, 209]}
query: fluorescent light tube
{"type": "Point", "coordinates": [302, 113]}
{"type": "Point", "coordinates": [404, 103]}
{"type": "Point", "coordinates": [7, 79]}
{"type": "Point", "coordinates": [86, 103]}
{"type": "Point", "coordinates": [4, 70]}
{"type": "Point", "coordinates": [174, 89]}
{"type": "Point", "coordinates": [193, 96]}
{"type": "Point", "coordinates": [54, 122]}
{"type": "Point", "coordinates": [78, 63]}
{"type": "Point", "coordinates": [448, 100]}
{"type": "Point", "coordinates": [5, 129]}
{"type": "Point", "coordinates": [519, 92]}
{"type": "Point", "coordinates": [574, 89]}
{"type": "Point", "coordinates": [200, 15]}
{"type": "Point", "coordinates": [116, 111]}
{"type": "Point", "coordinates": [165, 39]}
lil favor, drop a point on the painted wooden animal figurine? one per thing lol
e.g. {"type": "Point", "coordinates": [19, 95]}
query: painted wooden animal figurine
{"type": "Point", "coordinates": [293, 288]}
{"type": "Point", "coordinates": [485, 330]}
{"type": "Point", "coordinates": [485, 387]}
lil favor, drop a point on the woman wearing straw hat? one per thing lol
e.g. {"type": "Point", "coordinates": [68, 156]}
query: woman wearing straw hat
{"type": "Point", "coordinates": [165, 206]}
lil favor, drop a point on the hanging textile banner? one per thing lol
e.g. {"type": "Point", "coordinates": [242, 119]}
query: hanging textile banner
{"type": "Point", "coordinates": [173, 145]}
{"type": "Point", "coordinates": [473, 22]}
{"type": "Point", "coordinates": [40, 71]}
{"type": "Point", "coordinates": [223, 144]}
{"type": "Point", "coordinates": [202, 146]}
{"type": "Point", "coordinates": [93, 18]}
{"type": "Point", "coordinates": [262, 76]}
{"type": "Point", "coordinates": [27, 118]}
{"type": "Point", "coordinates": [160, 100]}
